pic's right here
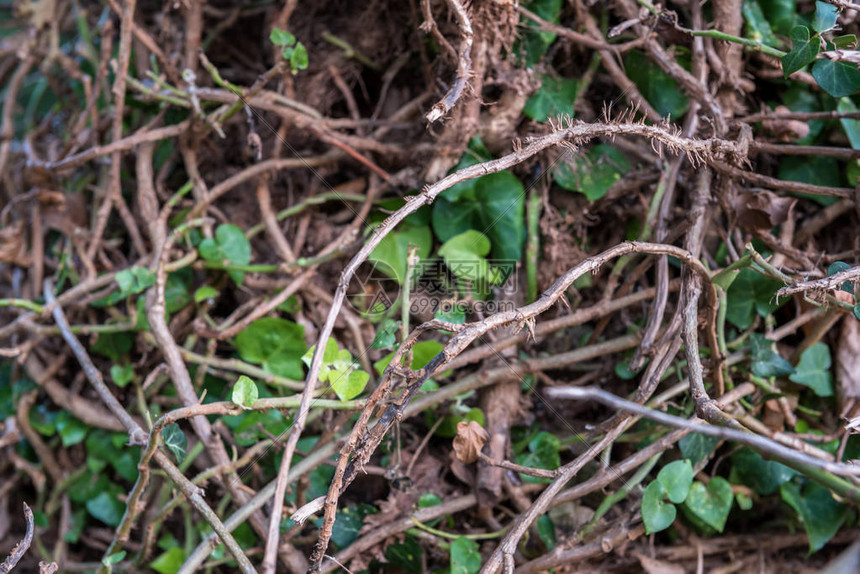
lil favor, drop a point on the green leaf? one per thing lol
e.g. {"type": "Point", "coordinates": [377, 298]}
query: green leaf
{"type": "Point", "coordinates": [546, 531]}
{"type": "Point", "coordinates": [299, 58]}
{"type": "Point", "coordinates": [389, 257]}
{"type": "Point", "coordinates": [857, 311]}
{"type": "Point", "coordinates": [657, 514]}
{"type": "Point", "coordinates": [766, 362]}
{"type": "Point", "coordinates": [121, 374]}
{"type": "Point", "coordinates": [464, 255]}
{"type": "Point", "coordinates": [204, 293]}
{"type": "Point", "coordinates": [661, 91]}
{"type": "Point", "coordinates": [820, 513]}
{"type": "Point", "coordinates": [543, 452]}
{"type": "Point", "coordinates": [276, 344]}
{"type": "Point", "coordinates": [763, 476]}
{"type": "Point", "coordinates": [816, 170]}
{"type": "Point", "coordinates": [114, 346]}
{"type": "Point", "coordinates": [114, 558]}
{"type": "Point", "coordinates": [676, 478]}
{"type": "Point", "coordinates": [493, 205]}
{"type": "Point", "coordinates": [592, 174]}
{"type": "Point", "coordinates": [465, 558]}
{"type": "Point", "coordinates": [813, 370]}
{"type": "Point", "coordinates": [349, 384]}
{"type": "Point", "coordinates": [106, 507]}
{"type": "Point", "coordinates": [839, 267]}
{"type": "Point", "coordinates": [406, 555]}
{"type": "Point", "coordinates": [696, 447]}
{"type": "Point", "coordinates": [280, 37]}
{"type": "Point", "coordinates": [229, 245]}
{"type": "Point", "coordinates": [751, 293]}
{"type": "Point", "coordinates": [837, 78]}
{"type": "Point", "coordinates": [711, 503]}
{"type": "Point", "coordinates": [780, 14]}
{"type": "Point", "coordinates": [758, 27]}
{"type": "Point", "coordinates": [846, 42]}
{"type": "Point", "coordinates": [825, 16]}
{"type": "Point", "coordinates": [71, 430]}
{"type": "Point", "coordinates": [554, 98]}
{"type": "Point", "coordinates": [422, 353]}
{"type": "Point", "coordinates": [175, 440]}
{"type": "Point", "coordinates": [329, 355]}
{"type": "Point", "coordinates": [386, 334]}
{"type": "Point", "coordinates": [348, 522]}
{"type": "Point", "coordinates": [803, 51]}
{"type": "Point", "coordinates": [245, 392]}
{"type": "Point", "coordinates": [170, 562]}
{"type": "Point", "coordinates": [533, 43]}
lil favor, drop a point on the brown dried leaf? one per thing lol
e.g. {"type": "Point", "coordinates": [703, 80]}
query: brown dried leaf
{"type": "Point", "coordinates": [760, 211]}
{"type": "Point", "coordinates": [848, 367]}
{"type": "Point", "coordinates": [471, 438]}
{"type": "Point", "coordinates": [784, 129]}
{"type": "Point", "coordinates": [12, 246]}
{"type": "Point", "coordinates": [653, 566]}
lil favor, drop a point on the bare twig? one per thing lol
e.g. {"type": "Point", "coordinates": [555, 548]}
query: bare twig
{"type": "Point", "coordinates": [759, 443]}
{"type": "Point", "coordinates": [21, 548]}
{"type": "Point", "coordinates": [464, 63]}
{"type": "Point", "coordinates": [831, 283]}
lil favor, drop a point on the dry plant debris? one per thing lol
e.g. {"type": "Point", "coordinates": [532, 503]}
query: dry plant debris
{"type": "Point", "coordinates": [434, 285]}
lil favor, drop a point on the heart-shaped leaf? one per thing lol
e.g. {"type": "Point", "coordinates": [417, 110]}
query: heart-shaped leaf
{"type": "Point", "coordinates": [813, 370]}
{"type": "Point", "coordinates": [657, 514]}
{"type": "Point", "coordinates": [676, 477]}
{"type": "Point", "coordinates": [245, 392]}
{"type": "Point", "coordinates": [711, 503]}
{"type": "Point", "coordinates": [803, 51]}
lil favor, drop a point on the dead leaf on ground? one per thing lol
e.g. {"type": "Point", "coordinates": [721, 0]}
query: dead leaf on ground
{"type": "Point", "coordinates": [848, 368]}
{"type": "Point", "coordinates": [654, 566]}
{"type": "Point", "coordinates": [13, 248]}
{"type": "Point", "coordinates": [783, 129]}
{"type": "Point", "coordinates": [761, 211]}
{"type": "Point", "coordinates": [471, 438]}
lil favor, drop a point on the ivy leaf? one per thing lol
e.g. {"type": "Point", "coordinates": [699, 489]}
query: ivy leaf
{"type": "Point", "coordinates": [780, 14]}
{"type": "Point", "coordinates": [766, 362]}
{"type": "Point", "coordinates": [696, 447]}
{"type": "Point", "coordinates": [803, 51]}
{"type": "Point", "coordinates": [280, 37]}
{"type": "Point", "coordinates": [661, 91]}
{"type": "Point", "coordinates": [386, 334]}
{"type": "Point", "coordinates": [274, 343]}
{"type": "Point", "coordinates": [838, 79]}
{"type": "Point", "coordinates": [818, 510]}
{"type": "Point", "coordinates": [676, 478]}
{"type": "Point", "coordinates": [107, 507]}
{"type": "Point", "coordinates": [389, 257]}
{"type": "Point", "coordinates": [758, 27]}
{"type": "Point", "coordinates": [245, 392]}
{"type": "Point", "coordinates": [751, 293]}
{"type": "Point", "coordinates": [349, 383]}
{"type": "Point", "coordinates": [464, 255]}
{"type": "Point", "coordinates": [555, 97]}
{"type": "Point", "coordinates": [229, 245]}
{"type": "Point", "coordinates": [825, 16]}
{"type": "Point", "coordinates": [763, 476]}
{"type": "Point", "coordinates": [175, 440]}
{"type": "Point", "coordinates": [205, 293]}
{"type": "Point", "coordinates": [465, 558]}
{"type": "Point", "coordinates": [839, 267]}
{"type": "Point", "coordinates": [121, 374]}
{"type": "Point", "coordinates": [170, 562]}
{"type": "Point", "coordinates": [813, 370]}
{"type": "Point", "coordinates": [543, 452]}
{"type": "Point", "coordinates": [711, 503]}
{"type": "Point", "coordinates": [657, 514]}
{"type": "Point", "coordinates": [71, 429]}
{"type": "Point", "coordinates": [299, 58]}
{"type": "Point", "coordinates": [592, 174]}
{"type": "Point", "coordinates": [494, 205]}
